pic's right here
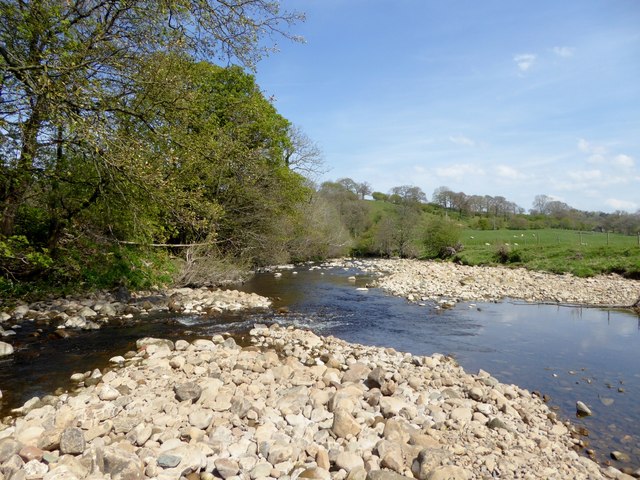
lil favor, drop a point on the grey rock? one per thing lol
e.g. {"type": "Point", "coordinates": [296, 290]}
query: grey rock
{"type": "Point", "coordinates": [385, 475]}
{"type": "Point", "coordinates": [72, 441]}
{"type": "Point", "coordinates": [427, 460]}
{"type": "Point", "coordinates": [168, 461]}
{"type": "Point", "coordinates": [582, 409]}
{"type": "Point", "coordinates": [187, 391]}
{"type": "Point", "coordinates": [376, 377]}
{"type": "Point", "coordinates": [12, 465]}
{"type": "Point", "coordinates": [8, 448]}
{"type": "Point", "coordinates": [495, 423]}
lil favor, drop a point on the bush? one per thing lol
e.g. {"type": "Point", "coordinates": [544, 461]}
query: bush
{"type": "Point", "coordinates": [441, 239]}
{"type": "Point", "coordinates": [505, 254]}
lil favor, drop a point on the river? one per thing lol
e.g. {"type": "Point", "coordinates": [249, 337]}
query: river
{"type": "Point", "coordinates": [569, 354]}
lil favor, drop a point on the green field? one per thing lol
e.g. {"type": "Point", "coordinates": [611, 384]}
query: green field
{"type": "Point", "coordinates": [558, 251]}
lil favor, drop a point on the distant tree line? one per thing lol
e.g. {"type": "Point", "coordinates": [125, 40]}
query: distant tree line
{"type": "Point", "coordinates": [403, 223]}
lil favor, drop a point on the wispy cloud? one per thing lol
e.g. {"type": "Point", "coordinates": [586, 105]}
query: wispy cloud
{"type": "Point", "coordinates": [564, 52]}
{"type": "Point", "coordinates": [458, 171]}
{"type": "Point", "coordinates": [598, 154]}
{"type": "Point", "coordinates": [525, 61]}
{"type": "Point", "coordinates": [462, 140]}
{"type": "Point", "coordinates": [585, 175]}
{"type": "Point", "coordinates": [625, 161]}
{"type": "Point", "coordinates": [591, 148]}
{"type": "Point", "coordinates": [621, 204]}
{"type": "Point", "coordinates": [509, 173]}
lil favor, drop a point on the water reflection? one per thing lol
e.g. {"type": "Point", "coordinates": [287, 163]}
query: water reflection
{"type": "Point", "coordinates": [567, 353]}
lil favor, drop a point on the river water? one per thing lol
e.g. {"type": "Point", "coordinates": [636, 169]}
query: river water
{"type": "Point", "coordinates": [569, 354]}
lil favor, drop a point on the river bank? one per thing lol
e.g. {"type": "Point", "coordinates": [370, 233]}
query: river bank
{"type": "Point", "coordinates": [101, 308]}
{"type": "Point", "coordinates": [419, 281]}
{"type": "Point", "coordinates": [295, 405]}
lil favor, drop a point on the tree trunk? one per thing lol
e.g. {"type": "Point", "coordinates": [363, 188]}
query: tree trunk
{"type": "Point", "coordinates": [21, 177]}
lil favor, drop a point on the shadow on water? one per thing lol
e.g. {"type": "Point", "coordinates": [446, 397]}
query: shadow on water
{"type": "Point", "coordinates": [569, 354]}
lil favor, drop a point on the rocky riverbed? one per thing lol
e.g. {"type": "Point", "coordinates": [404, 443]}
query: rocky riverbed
{"type": "Point", "coordinates": [294, 405]}
{"type": "Point", "coordinates": [428, 280]}
{"type": "Point", "coordinates": [92, 312]}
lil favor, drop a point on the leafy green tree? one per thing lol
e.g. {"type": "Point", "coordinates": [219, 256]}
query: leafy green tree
{"type": "Point", "coordinates": [69, 75]}
{"type": "Point", "coordinates": [441, 238]}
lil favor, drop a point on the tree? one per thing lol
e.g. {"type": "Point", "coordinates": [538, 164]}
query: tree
{"type": "Point", "coordinates": [442, 196]}
{"type": "Point", "coordinates": [441, 238]}
{"type": "Point", "coordinates": [353, 212]}
{"type": "Point", "coordinates": [302, 154]}
{"type": "Point", "coordinates": [408, 194]}
{"type": "Point", "coordinates": [349, 184]}
{"type": "Point", "coordinates": [540, 205]}
{"type": "Point", "coordinates": [68, 71]}
{"type": "Point", "coordinates": [380, 197]}
{"type": "Point", "coordinates": [363, 189]}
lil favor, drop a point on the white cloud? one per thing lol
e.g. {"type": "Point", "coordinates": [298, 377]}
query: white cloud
{"type": "Point", "coordinates": [587, 147]}
{"type": "Point", "coordinates": [524, 61]}
{"type": "Point", "coordinates": [623, 160]}
{"type": "Point", "coordinates": [508, 172]}
{"type": "Point", "coordinates": [564, 52]}
{"type": "Point", "coordinates": [598, 154]}
{"type": "Point", "coordinates": [586, 175]}
{"type": "Point", "coordinates": [462, 140]}
{"type": "Point", "coordinates": [458, 171]}
{"type": "Point", "coordinates": [621, 204]}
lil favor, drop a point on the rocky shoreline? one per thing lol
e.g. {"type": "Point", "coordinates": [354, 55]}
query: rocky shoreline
{"type": "Point", "coordinates": [94, 311]}
{"type": "Point", "coordinates": [448, 282]}
{"type": "Point", "coordinates": [293, 405]}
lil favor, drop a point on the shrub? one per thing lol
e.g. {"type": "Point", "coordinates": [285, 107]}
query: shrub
{"type": "Point", "coordinates": [441, 239]}
{"type": "Point", "coordinates": [505, 254]}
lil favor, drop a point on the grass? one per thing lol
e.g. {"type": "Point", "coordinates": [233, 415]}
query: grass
{"type": "Point", "coordinates": [559, 251]}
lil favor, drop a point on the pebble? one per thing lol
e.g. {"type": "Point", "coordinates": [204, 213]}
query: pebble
{"type": "Point", "coordinates": [447, 283]}
{"type": "Point", "coordinates": [385, 415]}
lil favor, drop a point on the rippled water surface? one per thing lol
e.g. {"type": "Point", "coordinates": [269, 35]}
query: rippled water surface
{"type": "Point", "coordinates": [569, 354]}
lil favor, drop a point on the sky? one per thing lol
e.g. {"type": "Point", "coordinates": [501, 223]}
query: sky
{"type": "Point", "coordinates": [513, 98]}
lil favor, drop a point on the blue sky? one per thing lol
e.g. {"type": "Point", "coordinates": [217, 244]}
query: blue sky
{"type": "Point", "coordinates": [513, 98]}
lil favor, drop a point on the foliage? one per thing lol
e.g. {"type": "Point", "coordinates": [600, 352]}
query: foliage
{"type": "Point", "coordinates": [506, 254]}
{"type": "Point", "coordinates": [441, 239]}
{"type": "Point", "coordinates": [19, 260]}
{"type": "Point", "coordinates": [114, 134]}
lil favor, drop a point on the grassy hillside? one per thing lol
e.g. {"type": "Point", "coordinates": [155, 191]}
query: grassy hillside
{"type": "Point", "coordinates": [558, 251]}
